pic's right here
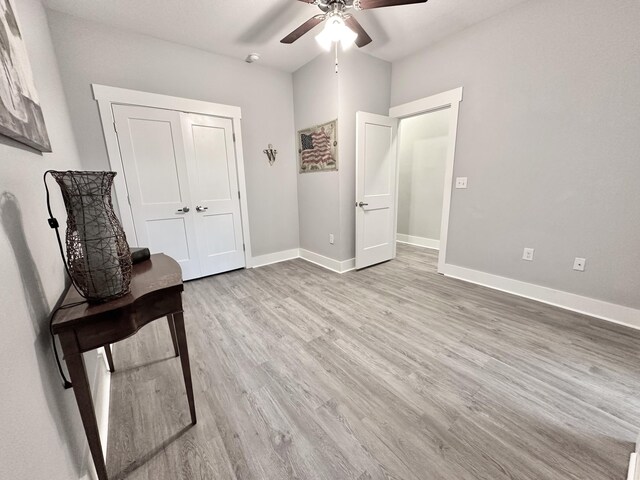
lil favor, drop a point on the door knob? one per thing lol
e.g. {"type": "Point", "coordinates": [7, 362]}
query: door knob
{"type": "Point", "coordinates": [201, 209]}
{"type": "Point", "coordinates": [362, 204]}
{"type": "Point", "coordinates": [183, 210]}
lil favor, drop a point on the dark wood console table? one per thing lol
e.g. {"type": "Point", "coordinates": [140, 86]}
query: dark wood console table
{"type": "Point", "coordinates": [156, 292]}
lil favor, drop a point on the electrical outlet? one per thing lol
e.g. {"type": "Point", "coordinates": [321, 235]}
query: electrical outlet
{"type": "Point", "coordinates": [331, 238]}
{"type": "Point", "coordinates": [461, 182]}
{"type": "Point", "coordinates": [579, 264]}
{"type": "Point", "coordinates": [528, 254]}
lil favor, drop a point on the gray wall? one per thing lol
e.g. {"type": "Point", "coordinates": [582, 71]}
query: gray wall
{"type": "Point", "coordinates": [326, 200]}
{"type": "Point", "coordinates": [315, 99]}
{"type": "Point", "coordinates": [548, 136]}
{"type": "Point", "coordinates": [41, 434]}
{"type": "Point", "coordinates": [422, 158]}
{"type": "Point", "coordinates": [92, 53]}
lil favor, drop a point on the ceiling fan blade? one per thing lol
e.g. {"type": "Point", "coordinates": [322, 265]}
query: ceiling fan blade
{"type": "Point", "coordinates": [363, 37]}
{"type": "Point", "coordinates": [302, 29]}
{"type": "Point", "coordinates": [307, 1]}
{"type": "Point", "coordinates": [369, 4]}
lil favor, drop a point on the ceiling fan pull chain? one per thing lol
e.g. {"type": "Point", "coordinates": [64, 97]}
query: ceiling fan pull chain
{"type": "Point", "coordinates": [336, 57]}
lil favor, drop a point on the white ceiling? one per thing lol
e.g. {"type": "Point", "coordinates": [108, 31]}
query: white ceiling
{"type": "Point", "coordinates": [237, 27]}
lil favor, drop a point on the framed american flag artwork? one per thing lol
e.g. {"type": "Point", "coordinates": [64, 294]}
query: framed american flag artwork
{"type": "Point", "coordinates": [318, 148]}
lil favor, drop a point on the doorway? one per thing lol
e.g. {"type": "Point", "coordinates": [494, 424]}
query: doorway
{"type": "Point", "coordinates": [428, 113]}
{"type": "Point", "coordinates": [422, 160]}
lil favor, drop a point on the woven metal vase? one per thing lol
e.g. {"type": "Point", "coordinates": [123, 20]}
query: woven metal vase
{"type": "Point", "coordinates": [98, 254]}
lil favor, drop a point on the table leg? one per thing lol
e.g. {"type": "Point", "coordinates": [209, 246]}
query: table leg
{"type": "Point", "coordinates": [82, 391]}
{"type": "Point", "coordinates": [107, 351]}
{"type": "Point", "coordinates": [172, 329]}
{"type": "Point", "coordinates": [178, 320]}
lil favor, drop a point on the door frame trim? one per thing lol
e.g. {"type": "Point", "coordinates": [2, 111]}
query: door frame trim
{"type": "Point", "coordinates": [449, 99]}
{"type": "Point", "coordinates": [107, 96]}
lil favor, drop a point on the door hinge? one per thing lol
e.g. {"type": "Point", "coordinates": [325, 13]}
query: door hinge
{"type": "Point", "coordinates": [129, 200]}
{"type": "Point", "coordinates": [244, 249]}
{"type": "Point", "coordinates": [234, 137]}
{"type": "Point", "coordinates": [115, 129]}
{"type": "Point", "coordinates": [238, 194]}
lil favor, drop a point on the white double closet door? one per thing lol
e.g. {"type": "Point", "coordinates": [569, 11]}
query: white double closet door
{"type": "Point", "coordinates": [182, 181]}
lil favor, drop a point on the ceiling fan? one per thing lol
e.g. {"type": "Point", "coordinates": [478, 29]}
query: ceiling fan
{"type": "Point", "coordinates": [341, 26]}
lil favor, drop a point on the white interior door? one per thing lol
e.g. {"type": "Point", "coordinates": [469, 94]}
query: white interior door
{"type": "Point", "coordinates": [214, 184]}
{"type": "Point", "coordinates": [155, 167]}
{"type": "Point", "coordinates": [376, 167]}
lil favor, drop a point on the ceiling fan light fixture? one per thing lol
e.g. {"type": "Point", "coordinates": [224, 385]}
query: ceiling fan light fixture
{"type": "Point", "coordinates": [324, 40]}
{"type": "Point", "coordinates": [335, 31]}
{"type": "Point", "coordinates": [347, 38]}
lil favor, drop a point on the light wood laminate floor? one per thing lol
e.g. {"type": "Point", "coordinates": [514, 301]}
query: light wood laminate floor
{"type": "Point", "coordinates": [393, 372]}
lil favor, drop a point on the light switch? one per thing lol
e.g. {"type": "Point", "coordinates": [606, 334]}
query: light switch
{"type": "Point", "coordinates": [461, 182]}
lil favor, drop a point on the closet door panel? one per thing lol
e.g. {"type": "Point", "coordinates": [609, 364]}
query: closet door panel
{"type": "Point", "coordinates": [212, 168]}
{"type": "Point", "coordinates": [153, 156]}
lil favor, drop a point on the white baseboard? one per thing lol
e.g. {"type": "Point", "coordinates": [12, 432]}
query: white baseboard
{"type": "Point", "coordinates": [347, 265]}
{"type": "Point", "coordinates": [326, 262]}
{"type": "Point", "coordinates": [101, 398]}
{"type": "Point", "coordinates": [418, 241]}
{"type": "Point", "coordinates": [329, 263]}
{"type": "Point", "coordinates": [634, 467]}
{"type": "Point", "coordinates": [611, 312]}
{"type": "Point", "coordinates": [269, 258]}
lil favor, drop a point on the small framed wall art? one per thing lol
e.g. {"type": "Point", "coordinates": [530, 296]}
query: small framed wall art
{"type": "Point", "coordinates": [318, 148]}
